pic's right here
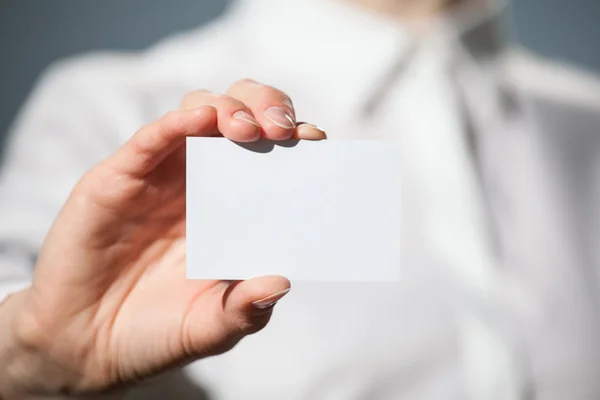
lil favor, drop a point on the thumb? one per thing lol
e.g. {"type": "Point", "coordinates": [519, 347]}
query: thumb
{"type": "Point", "coordinates": [239, 308]}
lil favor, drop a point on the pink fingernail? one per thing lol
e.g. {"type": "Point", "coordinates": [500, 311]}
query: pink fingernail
{"type": "Point", "coordinates": [280, 117]}
{"type": "Point", "coordinates": [244, 116]}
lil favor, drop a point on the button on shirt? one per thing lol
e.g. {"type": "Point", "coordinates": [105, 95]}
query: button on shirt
{"type": "Point", "coordinates": [481, 310]}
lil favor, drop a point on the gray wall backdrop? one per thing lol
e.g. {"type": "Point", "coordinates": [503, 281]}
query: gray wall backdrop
{"type": "Point", "coordinates": [33, 33]}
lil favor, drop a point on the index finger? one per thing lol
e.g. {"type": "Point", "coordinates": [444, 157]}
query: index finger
{"type": "Point", "coordinates": [149, 146]}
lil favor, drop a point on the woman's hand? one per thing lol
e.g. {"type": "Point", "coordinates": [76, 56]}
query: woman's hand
{"type": "Point", "coordinates": [109, 304]}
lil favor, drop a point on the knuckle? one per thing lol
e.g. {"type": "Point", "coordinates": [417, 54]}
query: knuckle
{"type": "Point", "coordinates": [244, 82]}
{"type": "Point", "coordinates": [195, 93]}
{"type": "Point", "coordinates": [244, 86]}
{"type": "Point", "coordinates": [188, 99]}
{"type": "Point", "coordinates": [225, 100]}
{"type": "Point", "coordinates": [171, 121]}
{"type": "Point", "coordinates": [261, 93]}
{"type": "Point", "coordinates": [270, 91]}
{"type": "Point", "coordinates": [270, 94]}
{"type": "Point", "coordinates": [170, 117]}
{"type": "Point", "coordinates": [194, 98]}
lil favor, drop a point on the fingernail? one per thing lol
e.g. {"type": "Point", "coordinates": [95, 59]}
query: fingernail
{"type": "Point", "coordinates": [311, 132]}
{"type": "Point", "coordinates": [244, 116]}
{"type": "Point", "coordinates": [280, 117]}
{"type": "Point", "coordinates": [288, 103]}
{"type": "Point", "coordinates": [270, 300]}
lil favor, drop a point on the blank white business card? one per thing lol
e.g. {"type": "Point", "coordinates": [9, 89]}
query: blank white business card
{"type": "Point", "coordinates": [321, 211]}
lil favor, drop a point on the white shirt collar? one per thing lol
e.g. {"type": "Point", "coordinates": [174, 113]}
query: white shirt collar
{"type": "Point", "coordinates": [349, 50]}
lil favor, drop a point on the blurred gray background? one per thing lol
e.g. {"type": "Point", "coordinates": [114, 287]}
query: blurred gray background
{"type": "Point", "coordinates": [33, 33]}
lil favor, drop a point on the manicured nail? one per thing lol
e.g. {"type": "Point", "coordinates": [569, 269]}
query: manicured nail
{"type": "Point", "coordinates": [310, 132]}
{"type": "Point", "coordinates": [288, 103]}
{"type": "Point", "coordinates": [270, 300]}
{"type": "Point", "coordinates": [280, 117]}
{"type": "Point", "coordinates": [244, 116]}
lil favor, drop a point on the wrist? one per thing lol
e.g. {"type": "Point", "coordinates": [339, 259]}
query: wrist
{"type": "Point", "coordinates": [12, 371]}
{"type": "Point", "coordinates": [25, 374]}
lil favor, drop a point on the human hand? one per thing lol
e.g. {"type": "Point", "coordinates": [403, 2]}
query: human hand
{"type": "Point", "coordinates": [109, 304]}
